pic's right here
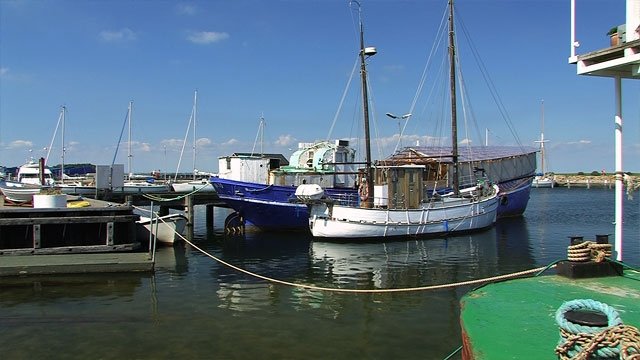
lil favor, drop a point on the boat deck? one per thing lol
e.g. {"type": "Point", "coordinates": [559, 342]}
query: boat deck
{"type": "Point", "coordinates": [516, 319]}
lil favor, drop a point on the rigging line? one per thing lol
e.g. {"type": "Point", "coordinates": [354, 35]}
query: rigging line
{"type": "Point", "coordinates": [344, 95]}
{"type": "Point", "coordinates": [490, 84]}
{"type": "Point", "coordinates": [423, 77]}
{"type": "Point", "coordinates": [184, 142]}
{"type": "Point", "coordinates": [126, 117]}
{"type": "Point", "coordinates": [55, 132]}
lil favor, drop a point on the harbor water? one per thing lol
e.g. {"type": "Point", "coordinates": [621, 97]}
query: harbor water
{"type": "Point", "coordinates": [194, 307]}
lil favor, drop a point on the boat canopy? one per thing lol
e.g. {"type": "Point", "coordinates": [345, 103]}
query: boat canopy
{"type": "Point", "coordinates": [500, 163]}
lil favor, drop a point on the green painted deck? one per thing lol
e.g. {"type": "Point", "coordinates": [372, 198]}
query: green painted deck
{"type": "Point", "coordinates": [516, 319]}
{"type": "Point", "coordinates": [75, 263]}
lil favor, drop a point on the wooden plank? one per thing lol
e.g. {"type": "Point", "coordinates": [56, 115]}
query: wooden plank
{"type": "Point", "coordinates": [6, 253]}
{"type": "Point", "coordinates": [67, 220]}
{"type": "Point", "coordinates": [76, 263]}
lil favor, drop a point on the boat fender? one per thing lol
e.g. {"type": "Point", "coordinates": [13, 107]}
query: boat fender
{"type": "Point", "coordinates": [363, 191]}
{"type": "Point", "coordinates": [504, 200]}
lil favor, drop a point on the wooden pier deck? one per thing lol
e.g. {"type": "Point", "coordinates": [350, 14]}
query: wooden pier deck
{"type": "Point", "coordinates": [76, 263]}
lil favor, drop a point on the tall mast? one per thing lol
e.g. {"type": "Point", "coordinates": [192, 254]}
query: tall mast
{"type": "Point", "coordinates": [64, 110]}
{"type": "Point", "coordinates": [452, 80]}
{"type": "Point", "coordinates": [129, 156]}
{"type": "Point", "coordinates": [195, 106]}
{"type": "Point", "coordinates": [368, 203]}
{"type": "Point", "coordinates": [542, 140]}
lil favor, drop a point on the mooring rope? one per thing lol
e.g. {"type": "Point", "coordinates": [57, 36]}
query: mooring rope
{"type": "Point", "coordinates": [616, 340]}
{"type": "Point", "coordinates": [395, 290]}
{"type": "Point", "coordinates": [179, 197]}
{"type": "Point", "coordinates": [588, 251]}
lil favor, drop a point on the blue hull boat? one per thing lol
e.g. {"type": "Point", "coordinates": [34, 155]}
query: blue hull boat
{"type": "Point", "coordinates": [272, 207]}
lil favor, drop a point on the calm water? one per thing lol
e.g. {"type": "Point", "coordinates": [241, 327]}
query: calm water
{"type": "Point", "coordinates": [194, 307]}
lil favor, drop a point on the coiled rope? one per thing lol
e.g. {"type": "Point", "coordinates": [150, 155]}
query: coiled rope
{"type": "Point", "coordinates": [588, 251]}
{"type": "Point", "coordinates": [581, 342]}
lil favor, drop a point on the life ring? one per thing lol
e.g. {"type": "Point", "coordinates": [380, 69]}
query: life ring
{"type": "Point", "coordinates": [363, 191]}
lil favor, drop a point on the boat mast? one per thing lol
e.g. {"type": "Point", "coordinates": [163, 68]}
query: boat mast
{"type": "Point", "coordinates": [64, 111]}
{"type": "Point", "coordinates": [129, 156]}
{"type": "Point", "coordinates": [368, 203]}
{"type": "Point", "coordinates": [452, 81]}
{"type": "Point", "coordinates": [542, 141]}
{"type": "Point", "coordinates": [195, 106]}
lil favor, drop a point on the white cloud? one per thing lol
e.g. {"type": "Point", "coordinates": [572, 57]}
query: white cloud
{"type": "Point", "coordinates": [230, 142]}
{"type": "Point", "coordinates": [207, 37]}
{"type": "Point", "coordinates": [121, 35]}
{"type": "Point", "coordinates": [285, 140]}
{"type": "Point", "coordinates": [4, 71]}
{"type": "Point", "coordinates": [187, 9]}
{"type": "Point", "coordinates": [203, 142]}
{"type": "Point", "coordinates": [172, 143]}
{"type": "Point", "coordinates": [18, 144]}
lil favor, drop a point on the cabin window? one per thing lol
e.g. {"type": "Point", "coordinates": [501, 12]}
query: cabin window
{"type": "Point", "coordinates": [228, 163]}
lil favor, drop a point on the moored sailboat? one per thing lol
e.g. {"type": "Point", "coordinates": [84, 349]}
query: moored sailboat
{"type": "Point", "coordinates": [393, 201]}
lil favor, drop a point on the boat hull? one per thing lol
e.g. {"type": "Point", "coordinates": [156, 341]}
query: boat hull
{"type": "Point", "coordinates": [19, 192]}
{"type": "Point", "coordinates": [168, 228]}
{"type": "Point", "coordinates": [271, 207]}
{"type": "Point", "coordinates": [442, 218]}
{"type": "Point", "coordinates": [514, 197]}
{"type": "Point", "coordinates": [192, 186]}
{"type": "Point", "coordinates": [542, 182]}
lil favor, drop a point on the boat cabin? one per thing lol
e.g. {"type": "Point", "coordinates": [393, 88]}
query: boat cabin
{"type": "Point", "coordinates": [328, 164]}
{"type": "Point", "coordinates": [30, 173]}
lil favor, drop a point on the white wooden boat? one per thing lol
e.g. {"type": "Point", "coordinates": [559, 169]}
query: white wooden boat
{"type": "Point", "coordinates": [19, 192]}
{"type": "Point", "coordinates": [167, 228]}
{"type": "Point", "coordinates": [193, 186]}
{"type": "Point", "coordinates": [393, 201]}
{"type": "Point", "coordinates": [141, 187]}
{"type": "Point", "coordinates": [543, 181]}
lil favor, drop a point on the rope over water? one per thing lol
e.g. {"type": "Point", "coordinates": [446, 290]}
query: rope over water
{"type": "Point", "coordinates": [582, 342]}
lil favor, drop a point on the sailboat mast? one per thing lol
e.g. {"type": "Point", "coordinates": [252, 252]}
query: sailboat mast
{"type": "Point", "coordinates": [368, 203]}
{"type": "Point", "coordinates": [452, 81]}
{"type": "Point", "coordinates": [64, 111]}
{"type": "Point", "coordinates": [195, 107]}
{"type": "Point", "coordinates": [542, 142]}
{"type": "Point", "coordinates": [129, 156]}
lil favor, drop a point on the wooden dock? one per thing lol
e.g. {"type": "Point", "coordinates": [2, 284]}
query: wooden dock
{"type": "Point", "coordinates": [86, 236]}
{"type": "Point", "coordinates": [76, 263]}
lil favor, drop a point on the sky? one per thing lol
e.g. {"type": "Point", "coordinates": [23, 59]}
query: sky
{"type": "Point", "coordinates": [289, 62]}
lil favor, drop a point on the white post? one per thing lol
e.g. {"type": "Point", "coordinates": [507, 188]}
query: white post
{"type": "Point", "coordinates": [574, 43]}
{"type": "Point", "coordinates": [619, 172]}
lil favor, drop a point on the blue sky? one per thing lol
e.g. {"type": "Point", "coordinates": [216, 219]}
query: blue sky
{"type": "Point", "coordinates": [290, 61]}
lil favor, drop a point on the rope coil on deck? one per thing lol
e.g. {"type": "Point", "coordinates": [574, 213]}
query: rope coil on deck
{"type": "Point", "coordinates": [588, 251]}
{"type": "Point", "coordinates": [583, 342]}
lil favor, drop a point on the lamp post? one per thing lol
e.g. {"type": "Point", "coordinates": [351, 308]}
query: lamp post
{"type": "Point", "coordinates": [396, 117]}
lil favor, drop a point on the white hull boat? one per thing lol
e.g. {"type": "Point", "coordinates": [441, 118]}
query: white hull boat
{"type": "Point", "coordinates": [193, 186]}
{"type": "Point", "coordinates": [169, 228]}
{"type": "Point", "coordinates": [141, 187]}
{"type": "Point", "coordinates": [19, 192]}
{"type": "Point", "coordinates": [393, 200]}
{"type": "Point", "coordinates": [438, 217]}
{"type": "Point", "coordinates": [543, 182]}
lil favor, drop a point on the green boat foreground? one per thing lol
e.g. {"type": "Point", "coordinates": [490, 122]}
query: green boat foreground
{"type": "Point", "coordinates": [517, 319]}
